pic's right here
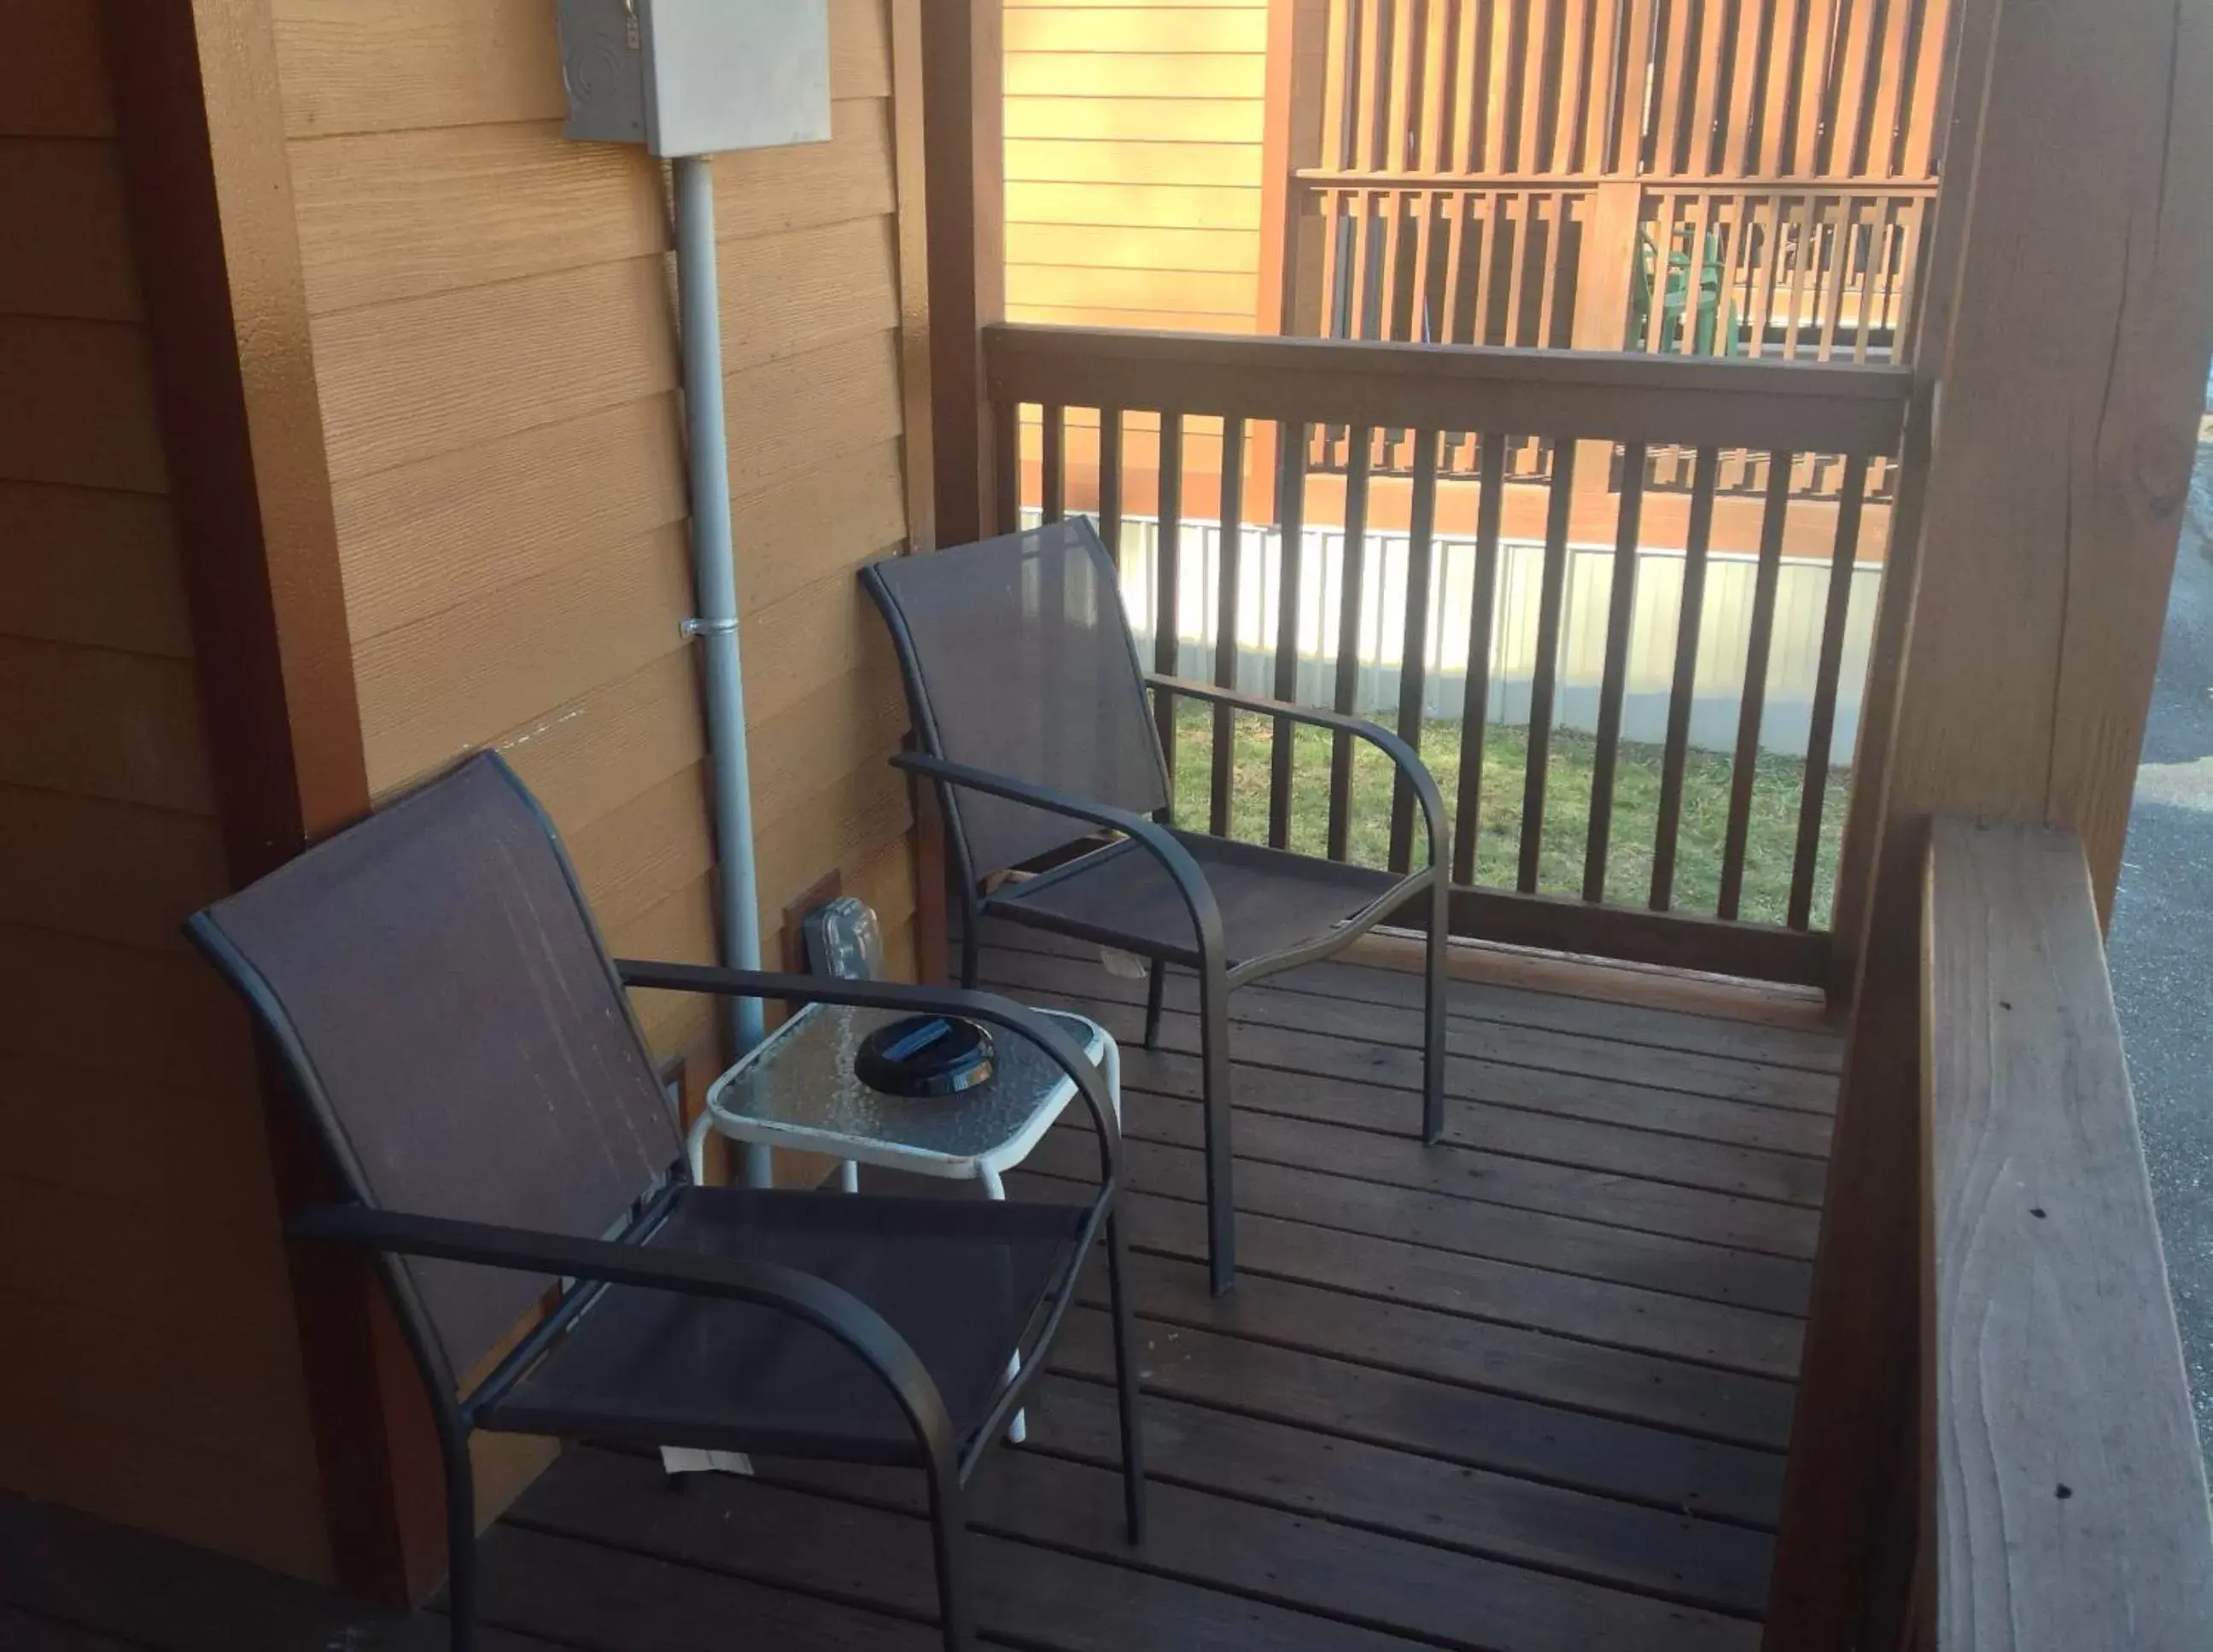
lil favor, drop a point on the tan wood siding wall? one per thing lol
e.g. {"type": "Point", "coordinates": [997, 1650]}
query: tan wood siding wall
{"type": "Point", "coordinates": [152, 1373]}
{"type": "Point", "coordinates": [496, 344]}
{"type": "Point", "coordinates": [1133, 166]}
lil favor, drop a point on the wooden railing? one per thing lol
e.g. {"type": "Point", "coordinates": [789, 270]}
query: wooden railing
{"type": "Point", "coordinates": [2061, 1488]}
{"type": "Point", "coordinates": [1144, 402]}
{"type": "Point", "coordinates": [1695, 177]}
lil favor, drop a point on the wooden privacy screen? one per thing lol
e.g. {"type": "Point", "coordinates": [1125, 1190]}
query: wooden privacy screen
{"type": "Point", "coordinates": [1167, 394]}
{"type": "Point", "coordinates": [1695, 177]}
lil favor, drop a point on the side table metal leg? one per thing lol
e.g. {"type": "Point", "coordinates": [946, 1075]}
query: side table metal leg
{"type": "Point", "coordinates": [760, 1166]}
{"type": "Point", "coordinates": [1018, 1427]}
{"type": "Point", "coordinates": [849, 1177]}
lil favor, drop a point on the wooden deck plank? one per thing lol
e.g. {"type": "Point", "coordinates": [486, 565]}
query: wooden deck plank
{"type": "Point", "coordinates": [1608, 1197]}
{"type": "Point", "coordinates": [1705, 1031]}
{"type": "Point", "coordinates": [1377, 1579]}
{"type": "Point", "coordinates": [1404, 1494]}
{"type": "Point", "coordinates": [1269, 1004]}
{"type": "Point", "coordinates": [1774, 1129]}
{"type": "Point", "coordinates": [1605, 1280]}
{"type": "Point", "coordinates": [1418, 1320]}
{"type": "Point", "coordinates": [1784, 1177]}
{"type": "Point", "coordinates": [1023, 1594]}
{"type": "Point", "coordinates": [1474, 1428]}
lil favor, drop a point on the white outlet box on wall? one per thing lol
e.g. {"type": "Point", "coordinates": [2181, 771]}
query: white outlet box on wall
{"type": "Point", "coordinates": [696, 77]}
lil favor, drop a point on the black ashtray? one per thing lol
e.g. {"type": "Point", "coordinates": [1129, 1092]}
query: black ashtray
{"type": "Point", "coordinates": [925, 1056]}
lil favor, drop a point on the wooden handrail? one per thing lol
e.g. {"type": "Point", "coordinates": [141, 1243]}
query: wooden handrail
{"type": "Point", "coordinates": [1806, 407]}
{"type": "Point", "coordinates": [2069, 1497]}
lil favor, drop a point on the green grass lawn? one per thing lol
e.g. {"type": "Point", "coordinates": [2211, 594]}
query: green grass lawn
{"type": "Point", "coordinates": [1771, 843]}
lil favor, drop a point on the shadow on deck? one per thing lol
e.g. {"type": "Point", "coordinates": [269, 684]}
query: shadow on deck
{"type": "Point", "coordinates": [1528, 1389]}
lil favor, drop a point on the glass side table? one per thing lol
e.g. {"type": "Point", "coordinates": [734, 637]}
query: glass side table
{"type": "Point", "coordinates": [797, 1089]}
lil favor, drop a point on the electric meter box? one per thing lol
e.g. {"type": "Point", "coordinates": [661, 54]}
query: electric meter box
{"type": "Point", "coordinates": [696, 77]}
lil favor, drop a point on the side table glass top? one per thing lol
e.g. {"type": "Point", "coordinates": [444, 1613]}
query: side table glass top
{"type": "Point", "coordinates": [798, 1088]}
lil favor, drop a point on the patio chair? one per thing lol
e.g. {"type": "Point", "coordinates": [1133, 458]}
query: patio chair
{"type": "Point", "coordinates": [436, 991]}
{"type": "Point", "coordinates": [1029, 707]}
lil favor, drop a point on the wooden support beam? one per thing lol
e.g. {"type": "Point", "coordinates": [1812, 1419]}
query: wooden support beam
{"type": "Point", "coordinates": [2075, 287]}
{"type": "Point", "coordinates": [963, 119]}
{"type": "Point", "coordinates": [201, 138]}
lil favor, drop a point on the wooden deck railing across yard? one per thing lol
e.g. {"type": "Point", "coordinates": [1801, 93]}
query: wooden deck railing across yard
{"type": "Point", "coordinates": [1260, 402]}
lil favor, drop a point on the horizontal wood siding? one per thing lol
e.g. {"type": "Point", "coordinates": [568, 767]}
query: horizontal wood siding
{"type": "Point", "coordinates": [495, 343]}
{"type": "Point", "coordinates": [1133, 162]}
{"type": "Point", "coordinates": [153, 1372]}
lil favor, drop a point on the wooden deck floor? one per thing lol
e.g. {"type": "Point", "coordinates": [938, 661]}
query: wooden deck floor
{"type": "Point", "coordinates": [1528, 1389]}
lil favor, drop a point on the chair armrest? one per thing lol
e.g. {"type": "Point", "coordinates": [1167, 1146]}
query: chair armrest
{"type": "Point", "coordinates": [1403, 756]}
{"type": "Point", "coordinates": [828, 1307]}
{"type": "Point", "coordinates": [1154, 837]}
{"type": "Point", "coordinates": [991, 1007]}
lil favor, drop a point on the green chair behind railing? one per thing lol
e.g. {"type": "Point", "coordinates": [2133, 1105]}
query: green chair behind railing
{"type": "Point", "coordinates": [1715, 319]}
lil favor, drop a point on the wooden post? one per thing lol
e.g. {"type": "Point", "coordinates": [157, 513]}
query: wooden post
{"type": "Point", "coordinates": [202, 142]}
{"type": "Point", "coordinates": [2069, 381]}
{"type": "Point", "coordinates": [911, 172]}
{"type": "Point", "coordinates": [963, 119]}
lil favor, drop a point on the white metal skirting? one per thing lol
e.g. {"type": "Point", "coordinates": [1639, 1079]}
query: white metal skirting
{"type": "Point", "coordinates": [1725, 629]}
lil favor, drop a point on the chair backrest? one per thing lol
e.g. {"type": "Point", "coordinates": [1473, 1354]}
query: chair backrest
{"type": "Point", "coordinates": [1018, 660]}
{"type": "Point", "coordinates": [436, 983]}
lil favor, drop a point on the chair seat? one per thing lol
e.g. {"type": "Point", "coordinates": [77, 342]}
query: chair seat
{"type": "Point", "coordinates": [958, 1280]}
{"type": "Point", "coordinates": [1270, 900]}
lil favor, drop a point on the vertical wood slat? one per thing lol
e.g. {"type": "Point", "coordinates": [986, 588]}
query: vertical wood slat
{"type": "Point", "coordinates": [1563, 131]}
{"type": "Point", "coordinates": [1809, 84]}
{"type": "Point", "coordinates": [1053, 464]}
{"type": "Point", "coordinates": [1754, 20]}
{"type": "Point", "coordinates": [1167, 627]}
{"type": "Point", "coordinates": [1674, 92]}
{"type": "Point", "coordinates": [1544, 677]}
{"type": "Point", "coordinates": [1006, 471]}
{"type": "Point", "coordinates": [1466, 121]}
{"type": "Point", "coordinates": [1698, 156]}
{"type": "Point", "coordinates": [1502, 45]}
{"type": "Point", "coordinates": [1746, 769]}
{"type": "Point", "coordinates": [1352, 582]}
{"type": "Point", "coordinates": [1110, 482]}
{"type": "Point", "coordinates": [1778, 85]}
{"type": "Point", "coordinates": [1822, 728]}
{"type": "Point", "coordinates": [1683, 691]}
{"type": "Point", "coordinates": [1356, 253]}
{"type": "Point", "coordinates": [1332, 203]}
{"type": "Point", "coordinates": [1364, 105]}
{"type": "Point", "coordinates": [1336, 81]}
{"type": "Point", "coordinates": [1224, 768]}
{"type": "Point", "coordinates": [1414, 651]}
{"type": "Point", "coordinates": [1621, 615]}
{"type": "Point", "coordinates": [1436, 100]}
{"type": "Point", "coordinates": [1399, 111]}
{"type": "Point", "coordinates": [1475, 708]}
{"type": "Point", "coordinates": [1290, 513]}
{"type": "Point", "coordinates": [1536, 47]}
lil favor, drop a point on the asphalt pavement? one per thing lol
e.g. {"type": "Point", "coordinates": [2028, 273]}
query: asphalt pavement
{"type": "Point", "coordinates": [2161, 950]}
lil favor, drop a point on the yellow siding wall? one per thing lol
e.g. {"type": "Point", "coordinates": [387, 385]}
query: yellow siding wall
{"type": "Point", "coordinates": [151, 1372]}
{"type": "Point", "coordinates": [1133, 136]}
{"type": "Point", "coordinates": [496, 350]}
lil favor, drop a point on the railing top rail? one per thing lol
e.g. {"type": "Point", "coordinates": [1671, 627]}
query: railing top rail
{"type": "Point", "coordinates": [2070, 1501]}
{"type": "Point", "coordinates": [1798, 406]}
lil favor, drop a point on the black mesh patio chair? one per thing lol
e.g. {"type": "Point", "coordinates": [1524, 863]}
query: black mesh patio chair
{"type": "Point", "coordinates": [433, 982]}
{"type": "Point", "coordinates": [1029, 706]}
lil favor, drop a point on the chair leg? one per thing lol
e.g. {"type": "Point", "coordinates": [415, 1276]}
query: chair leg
{"type": "Point", "coordinates": [461, 1541]}
{"type": "Point", "coordinates": [1156, 985]}
{"type": "Point", "coordinates": [1126, 1382]}
{"type": "Point", "coordinates": [970, 950]}
{"type": "Point", "coordinates": [1220, 1199]}
{"type": "Point", "coordinates": [1433, 1014]}
{"type": "Point", "coordinates": [948, 1533]}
